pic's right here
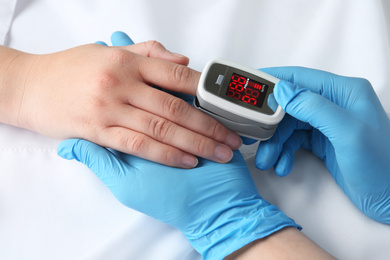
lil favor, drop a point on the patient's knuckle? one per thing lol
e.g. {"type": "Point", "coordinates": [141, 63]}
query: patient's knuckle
{"type": "Point", "coordinates": [176, 107]}
{"type": "Point", "coordinates": [104, 80]}
{"type": "Point", "coordinates": [181, 74]}
{"type": "Point", "coordinates": [98, 95]}
{"type": "Point", "coordinates": [135, 143]}
{"type": "Point", "coordinates": [200, 146]}
{"type": "Point", "coordinates": [153, 45]}
{"type": "Point", "coordinates": [169, 156]}
{"type": "Point", "coordinates": [161, 128]}
{"type": "Point", "coordinates": [215, 130]}
{"type": "Point", "coordinates": [119, 56]}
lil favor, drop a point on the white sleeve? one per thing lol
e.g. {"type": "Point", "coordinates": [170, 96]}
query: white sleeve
{"type": "Point", "coordinates": [7, 8]}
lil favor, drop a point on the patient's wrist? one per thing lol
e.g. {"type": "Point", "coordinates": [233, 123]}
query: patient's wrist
{"type": "Point", "coordinates": [14, 71]}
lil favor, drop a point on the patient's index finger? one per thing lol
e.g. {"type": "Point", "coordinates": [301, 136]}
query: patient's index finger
{"type": "Point", "coordinates": [169, 75]}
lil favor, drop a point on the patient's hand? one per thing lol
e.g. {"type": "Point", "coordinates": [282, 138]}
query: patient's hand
{"type": "Point", "coordinates": [103, 94]}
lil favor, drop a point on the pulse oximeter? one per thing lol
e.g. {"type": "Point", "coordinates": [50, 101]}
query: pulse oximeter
{"type": "Point", "coordinates": [237, 96]}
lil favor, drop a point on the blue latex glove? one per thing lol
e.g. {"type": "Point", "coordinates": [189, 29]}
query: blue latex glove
{"type": "Point", "coordinates": [341, 120]}
{"type": "Point", "coordinates": [216, 206]}
{"type": "Point", "coordinates": [118, 38]}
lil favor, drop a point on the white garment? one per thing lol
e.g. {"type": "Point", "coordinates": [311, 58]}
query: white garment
{"type": "Point", "coordinates": [7, 8]}
{"type": "Point", "coordinates": [51, 208]}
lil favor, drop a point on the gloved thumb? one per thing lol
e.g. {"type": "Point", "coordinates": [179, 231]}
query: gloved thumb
{"type": "Point", "coordinates": [65, 149]}
{"type": "Point", "coordinates": [312, 108]}
{"type": "Point", "coordinates": [92, 155]}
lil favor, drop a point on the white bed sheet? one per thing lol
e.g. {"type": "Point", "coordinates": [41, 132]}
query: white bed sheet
{"type": "Point", "coordinates": [51, 208]}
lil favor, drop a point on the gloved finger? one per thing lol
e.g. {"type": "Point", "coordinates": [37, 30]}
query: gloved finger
{"type": "Point", "coordinates": [101, 43]}
{"type": "Point", "coordinates": [269, 151]}
{"type": "Point", "coordinates": [311, 79]}
{"type": "Point", "coordinates": [314, 109]}
{"type": "Point", "coordinates": [92, 155]}
{"type": "Point", "coordinates": [119, 38]}
{"type": "Point", "coordinates": [331, 86]}
{"type": "Point", "coordinates": [285, 162]}
{"type": "Point", "coordinates": [272, 102]}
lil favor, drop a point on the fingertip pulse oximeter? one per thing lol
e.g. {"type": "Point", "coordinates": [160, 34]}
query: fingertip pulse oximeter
{"type": "Point", "coordinates": [237, 96]}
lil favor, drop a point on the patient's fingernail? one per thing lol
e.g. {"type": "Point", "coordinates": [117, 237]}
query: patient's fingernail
{"type": "Point", "coordinates": [189, 161]}
{"type": "Point", "coordinates": [233, 141]}
{"type": "Point", "coordinates": [223, 153]}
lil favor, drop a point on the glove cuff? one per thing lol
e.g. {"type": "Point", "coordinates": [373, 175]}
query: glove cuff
{"type": "Point", "coordinates": [240, 226]}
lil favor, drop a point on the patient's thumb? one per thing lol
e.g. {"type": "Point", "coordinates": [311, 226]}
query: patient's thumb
{"type": "Point", "coordinates": [99, 160]}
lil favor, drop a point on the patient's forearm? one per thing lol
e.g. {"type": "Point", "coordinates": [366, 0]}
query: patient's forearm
{"type": "Point", "coordinates": [288, 243]}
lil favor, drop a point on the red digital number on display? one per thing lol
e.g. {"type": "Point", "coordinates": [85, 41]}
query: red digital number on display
{"type": "Point", "coordinates": [240, 89]}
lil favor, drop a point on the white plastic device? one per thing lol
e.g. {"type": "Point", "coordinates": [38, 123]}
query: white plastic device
{"type": "Point", "coordinates": [239, 97]}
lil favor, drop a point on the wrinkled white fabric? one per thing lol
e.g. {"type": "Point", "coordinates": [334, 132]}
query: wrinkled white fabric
{"type": "Point", "coordinates": [7, 8]}
{"type": "Point", "coordinates": [51, 208]}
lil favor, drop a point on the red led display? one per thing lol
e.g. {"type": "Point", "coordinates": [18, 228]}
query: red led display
{"type": "Point", "coordinates": [246, 90]}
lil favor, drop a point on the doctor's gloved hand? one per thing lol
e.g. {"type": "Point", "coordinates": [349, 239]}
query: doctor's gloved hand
{"type": "Point", "coordinates": [216, 206]}
{"type": "Point", "coordinates": [341, 120]}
